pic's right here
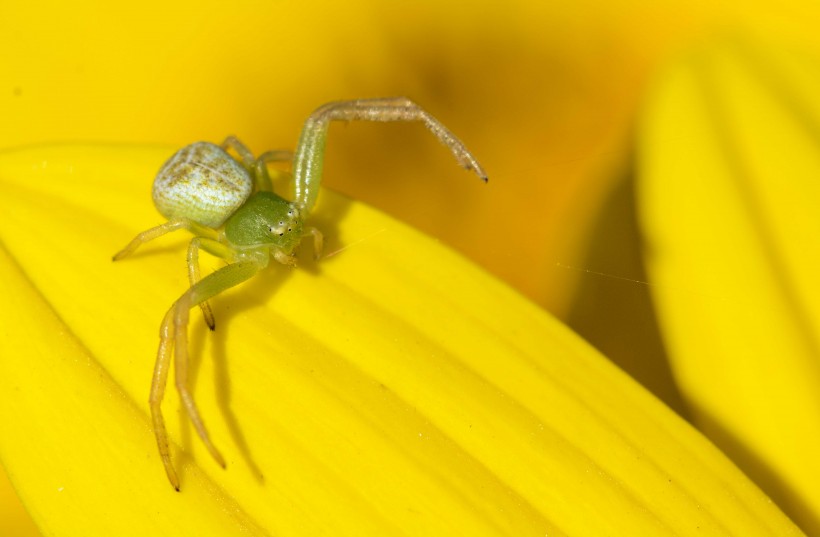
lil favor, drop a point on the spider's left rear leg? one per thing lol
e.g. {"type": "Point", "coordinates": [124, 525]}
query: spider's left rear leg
{"type": "Point", "coordinates": [155, 232]}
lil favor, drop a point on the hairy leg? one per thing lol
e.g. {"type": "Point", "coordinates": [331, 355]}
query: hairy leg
{"type": "Point", "coordinates": [308, 162]}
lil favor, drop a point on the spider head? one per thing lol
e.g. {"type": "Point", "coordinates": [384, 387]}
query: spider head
{"type": "Point", "coordinates": [285, 227]}
{"type": "Point", "coordinates": [266, 219]}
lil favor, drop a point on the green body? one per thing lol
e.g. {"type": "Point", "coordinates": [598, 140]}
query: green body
{"type": "Point", "coordinates": [266, 219]}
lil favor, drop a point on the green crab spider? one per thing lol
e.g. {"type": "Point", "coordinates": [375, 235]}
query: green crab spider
{"type": "Point", "coordinates": [230, 207]}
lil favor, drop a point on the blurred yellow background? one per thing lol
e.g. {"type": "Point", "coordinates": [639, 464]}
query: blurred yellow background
{"type": "Point", "coordinates": [544, 94]}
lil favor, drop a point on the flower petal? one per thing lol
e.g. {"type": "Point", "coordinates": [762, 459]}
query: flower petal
{"type": "Point", "coordinates": [14, 519]}
{"type": "Point", "coordinates": [391, 388]}
{"type": "Point", "coordinates": [730, 197]}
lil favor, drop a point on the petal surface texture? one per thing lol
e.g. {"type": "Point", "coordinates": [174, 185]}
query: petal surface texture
{"type": "Point", "coordinates": [391, 388]}
{"type": "Point", "coordinates": [730, 161]}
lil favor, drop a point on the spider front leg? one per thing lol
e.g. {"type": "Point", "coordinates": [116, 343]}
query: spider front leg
{"type": "Point", "coordinates": [318, 241]}
{"type": "Point", "coordinates": [214, 247]}
{"type": "Point", "coordinates": [308, 163]}
{"type": "Point", "coordinates": [174, 341]}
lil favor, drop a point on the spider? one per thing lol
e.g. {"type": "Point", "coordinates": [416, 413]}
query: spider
{"type": "Point", "coordinates": [230, 207]}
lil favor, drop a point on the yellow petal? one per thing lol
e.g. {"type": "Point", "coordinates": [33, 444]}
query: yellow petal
{"type": "Point", "coordinates": [392, 388]}
{"type": "Point", "coordinates": [730, 196]}
{"type": "Point", "coordinates": [14, 519]}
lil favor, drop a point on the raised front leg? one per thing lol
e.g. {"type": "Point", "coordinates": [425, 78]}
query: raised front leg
{"type": "Point", "coordinates": [307, 166]}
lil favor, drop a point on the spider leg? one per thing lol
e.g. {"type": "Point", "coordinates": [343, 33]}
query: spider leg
{"type": "Point", "coordinates": [245, 154]}
{"type": "Point", "coordinates": [174, 339]}
{"type": "Point", "coordinates": [263, 181]}
{"type": "Point", "coordinates": [256, 166]}
{"type": "Point", "coordinates": [307, 167]}
{"type": "Point", "coordinates": [155, 232]}
{"type": "Point", "coordinates": [318, 241]}
{"type": "Point", "coordinates": [158, 383]}
{"type": "Point", "coordinates": [280, 155]}
{"type": "Point", "coordinates": [214, 247]}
